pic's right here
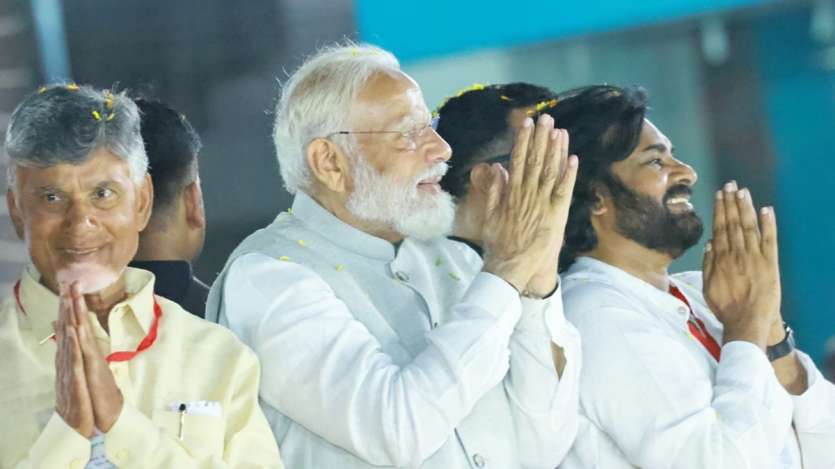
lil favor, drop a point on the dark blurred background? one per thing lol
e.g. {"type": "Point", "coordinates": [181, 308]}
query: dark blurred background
{"type": "Point", "coordinates": [744, 88]}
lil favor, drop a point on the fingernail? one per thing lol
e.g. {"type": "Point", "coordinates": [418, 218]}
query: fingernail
{"type": "Point", "coordinates": [718, 195]}
{"type": "Point", "coordinates": [708, 247]}
{"type": "Point", "coordinates": [554, 134]}
{"type": "Point", "coordinates": [573, 161]}
{"type": "Point", "coordinates": [729, 187]}
{"type": "Point", "coordinates": [527, 122]}
{"type": "Point", "coordinates": [741, 194]}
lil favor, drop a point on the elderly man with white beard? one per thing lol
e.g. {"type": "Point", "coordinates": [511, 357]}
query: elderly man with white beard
{"type": "Point", "coordinates": [383, 344]}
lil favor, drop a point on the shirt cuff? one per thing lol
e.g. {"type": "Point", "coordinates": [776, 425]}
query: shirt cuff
{"type": "Point", "coordinates": [493, 294]}
{"type": "Point", "coordinates": [59, 445]}
{"type": "Point", "coordinates": [131, 438]}
{"type": "Point", "coordinates": [745, 367]}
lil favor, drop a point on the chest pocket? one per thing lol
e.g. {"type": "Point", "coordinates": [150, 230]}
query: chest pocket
{"type": "Point", "coordinates": [202, 434]}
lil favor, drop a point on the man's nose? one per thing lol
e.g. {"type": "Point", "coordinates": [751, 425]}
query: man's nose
{"type": "Point", "coordinates": [438, 150]}
{"type": "Point", "coordinates": [685, 174]}
{"type": "Point", "coordinates": [80, 216]}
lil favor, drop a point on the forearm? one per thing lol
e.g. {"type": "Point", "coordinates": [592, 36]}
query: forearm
{"type": "Point", "coordinates": [409, 406]}
{"type": "Point", "coordinates": [543, 382]}
{"type": "Point", "coordinates": [58, 445]}
{"type": "Point", "coordinates": [789, 371]}
{"type": "Point", "coordinates": [745, 423]}
{"type": "Point", "coordinates": [814, 416]}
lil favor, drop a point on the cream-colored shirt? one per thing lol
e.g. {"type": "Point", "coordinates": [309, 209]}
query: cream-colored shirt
{"type": "Point", "coordinates": [192, 362]}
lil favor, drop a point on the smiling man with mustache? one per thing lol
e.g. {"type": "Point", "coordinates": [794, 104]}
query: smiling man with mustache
{"type": "Point", "coordinates": [384, 344]}
{"type": "Point", "coordinates": [692, 370]}
{"type": "Point", "coordinates": [96, 370]}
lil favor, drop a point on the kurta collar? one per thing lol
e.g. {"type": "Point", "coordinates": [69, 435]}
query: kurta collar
{"type": "Point", "coordinates": [338, 232]}
{"type": "Point", "coordinates": [41, 305]}
{"type": "Point", "coordinates": [588, 268]}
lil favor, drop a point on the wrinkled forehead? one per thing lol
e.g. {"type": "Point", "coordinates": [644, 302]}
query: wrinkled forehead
{"type": "Point", "coordinates": [99, 167]}
{"type": "Point", "coordinates": [389, 100]}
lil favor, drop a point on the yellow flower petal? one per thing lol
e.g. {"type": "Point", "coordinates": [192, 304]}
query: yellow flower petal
{"type": "Point", "coordinates": [284, 258]}
{"type": "Point", "coordinates": [96, 115]}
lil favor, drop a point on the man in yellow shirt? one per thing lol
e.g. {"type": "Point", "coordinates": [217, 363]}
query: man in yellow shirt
{"type": "Point", "coordinates": [96, 370]}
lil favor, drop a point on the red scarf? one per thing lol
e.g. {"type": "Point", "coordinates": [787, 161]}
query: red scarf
{"type": "Point", "coordinates": [697, 327]}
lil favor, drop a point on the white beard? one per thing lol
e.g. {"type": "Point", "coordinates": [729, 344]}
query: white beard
{"type": "Point", "coordinates": [403, 207]}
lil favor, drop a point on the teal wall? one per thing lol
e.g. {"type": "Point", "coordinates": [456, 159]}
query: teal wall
{"type": "Point", "coordinates": [428, 28]}
{"type": "Point", "coordinates": [799, 93]}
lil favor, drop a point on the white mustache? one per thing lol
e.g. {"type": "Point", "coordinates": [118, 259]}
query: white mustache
{"type": "Point", "coordinates": [439, 170]}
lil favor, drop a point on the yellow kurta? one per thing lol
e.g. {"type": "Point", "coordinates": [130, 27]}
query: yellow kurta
{"type": "Point", "coordinates": [191, 361]}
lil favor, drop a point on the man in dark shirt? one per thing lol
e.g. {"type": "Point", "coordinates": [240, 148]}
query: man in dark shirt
{"type": "Point", "coordinates": [174, 236]}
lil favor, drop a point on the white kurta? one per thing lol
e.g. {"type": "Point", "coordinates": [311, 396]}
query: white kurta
{"type": "Point", "coordinates": [406, 358]}
{"type": "Point", "coordinates": [653, 397]}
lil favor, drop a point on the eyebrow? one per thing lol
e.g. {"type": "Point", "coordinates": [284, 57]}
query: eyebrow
{"type": "Point", "coordinates": [47, 188]}
{"type": "Point", "coordinates": [413, 120]}
{"type": "Point", "coordinates": [659, 147]}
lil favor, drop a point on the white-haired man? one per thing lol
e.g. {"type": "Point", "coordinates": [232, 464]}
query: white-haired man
{"type": "Point", "coordinates": [97, 371]}
{"type": "Point", "coordinates": [383, 344]}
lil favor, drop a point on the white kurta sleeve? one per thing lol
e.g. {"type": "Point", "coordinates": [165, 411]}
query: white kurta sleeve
{"type": "Point", "coordinates": [814, 418]}
{"type": "Point", "coordinates": [658, 405]}
{"type": "Point", "coordinates": [323, 369]}
{"type": "Point", "coordinates": [544, 404]}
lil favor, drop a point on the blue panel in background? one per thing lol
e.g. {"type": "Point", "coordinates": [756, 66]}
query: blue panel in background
{"type": "Point", "coordinates": [417, 30]}
{"type": "Point", "coordinates": [800, 99]}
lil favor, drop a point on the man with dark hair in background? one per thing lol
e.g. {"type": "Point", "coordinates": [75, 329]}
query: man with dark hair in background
{"type": "Point", "coordinates": [480, 124]}
{"type": "Point", "coordinates": [692, 370]}
{"type": "Point", "coordinates": [175, 234]}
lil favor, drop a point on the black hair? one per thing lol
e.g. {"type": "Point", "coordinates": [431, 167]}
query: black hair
{"type": "Point", "coordinates": [476, 120]}
{"type": "Point", "coordinates": [604, 126]}
{"type": "Point", "coordinates": [172, 146]}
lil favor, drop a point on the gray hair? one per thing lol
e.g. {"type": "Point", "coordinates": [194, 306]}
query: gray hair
{"type": "Point", "coordinates": [66, 123]}
{"type": "Point", "coordinates": [316, 100]}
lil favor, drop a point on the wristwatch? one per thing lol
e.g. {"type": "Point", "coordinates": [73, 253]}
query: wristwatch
{"type": "Point", "coordinates": [782, 348]}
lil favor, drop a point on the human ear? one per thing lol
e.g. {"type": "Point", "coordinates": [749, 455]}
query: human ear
{"type": "Point", "coordinates": [328, 164]}
{"type": "Point", "coordinates": [193, 202]}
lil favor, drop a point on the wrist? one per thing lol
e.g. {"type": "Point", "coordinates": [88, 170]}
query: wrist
{"type": "Point", "coordinates": [748, 331]}
{"type": "Point", "coordinates": [507, 270]}
{"type": "Point", "coordinates": [777, 333]}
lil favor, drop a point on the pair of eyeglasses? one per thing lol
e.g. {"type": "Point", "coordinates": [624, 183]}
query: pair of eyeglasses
{"type": "Point", "coordinates": [410, 138]}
